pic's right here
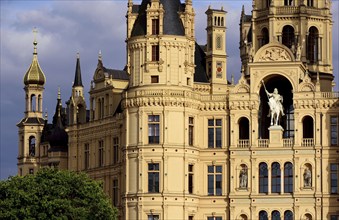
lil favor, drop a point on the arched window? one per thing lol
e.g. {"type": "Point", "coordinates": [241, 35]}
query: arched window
{"type": "Point", "coordinates": [288, 177]}
{"type": "Point", "coordinates": [276, 215]}
{"type": "Point", "coordinates": [308, 217]}
{"type": "Point", "coordinates": [39, 104]}
{"type": "Point", "coordinates": [215, 21]}
{"type": "Point", "coordinates": [243, 217]}
{"type": "Point", "coordinates": [33, 103]}
{"type": "Point", "coordinates": [31, 150]}
{"type": "Point", "coordinates": [312, 45]}
{"type": "Point", "coordinates": [288, 36]}
{"type": "Point", "coordinates": [263, 215]}
{"type": "Point", "coordinates": [265, 36]}
{"type": "Point", "coordinates": [263, 178]}
{"type": "Point", "coordinates": [222, 21]}
{"type": "Point", "coordinates": [288, 215]}
{"type": "Point", "coordinates": [307, 127]}
{"type": "Point", "coordinates": [244, 128]}
{"type": "Point", "coordinates": [218, 21]}
{"type": "Point", "coordinates": [276, 178]}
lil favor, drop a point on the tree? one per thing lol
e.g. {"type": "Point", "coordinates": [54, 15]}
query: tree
{"type": "Point", "coordinates": [54, 194]}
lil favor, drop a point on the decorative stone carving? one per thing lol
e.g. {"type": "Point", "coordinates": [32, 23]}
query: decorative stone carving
{"type": "Point", "coordinates": [274, 54]}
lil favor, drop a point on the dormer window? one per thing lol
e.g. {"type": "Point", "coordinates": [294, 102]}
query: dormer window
{"type": "Point", "coordinates": [155, 26]}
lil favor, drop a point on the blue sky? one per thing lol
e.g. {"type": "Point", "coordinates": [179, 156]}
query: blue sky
{"type": "Point", "coordinates": [68, 27]}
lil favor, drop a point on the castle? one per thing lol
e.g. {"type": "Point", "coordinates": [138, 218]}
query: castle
{"type": "Point", "coordinates": [172, 138]}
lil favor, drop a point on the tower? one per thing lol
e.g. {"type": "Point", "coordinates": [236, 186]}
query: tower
{"type": "Point", "coordinates": [77, 104]}
{"type": "Point", "coordinates": [31, 126]}
{"type": "Point", "coordinates": [303, 26]}
{"type": "Point", "coordinates": [216, 57]}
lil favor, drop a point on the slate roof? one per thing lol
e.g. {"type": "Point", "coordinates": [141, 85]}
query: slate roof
{"type": "Point", "coordinates": [116, 74]}
{"type": "Point", "coordinates": [172, 22]}
{"type": "Point", "coordinates": [77, 77]}
{"type": "Point", "coordinates": [31, 120]}
{"type": "Point", "coordinates": [200, 64]}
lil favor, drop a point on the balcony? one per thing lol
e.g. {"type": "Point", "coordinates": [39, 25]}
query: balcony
{"type": "Point", "coordinates": [263, 143]}
{"type": "Point", "coordinates": [307, 142]}
{"type": "Point", "coordinates": [244, 143]}
{"type": "Point", "coordinates": [288, 142]}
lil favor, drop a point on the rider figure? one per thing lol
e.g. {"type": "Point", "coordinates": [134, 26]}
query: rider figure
{"type": "Point", "coordinates": [278, 99]}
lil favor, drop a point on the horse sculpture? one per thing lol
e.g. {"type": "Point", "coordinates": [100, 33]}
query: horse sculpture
{"type": "Point", "coordinates": [275, 103]}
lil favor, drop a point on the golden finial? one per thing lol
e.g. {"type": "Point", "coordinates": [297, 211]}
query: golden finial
{"type": "Point", "coordinates": [35, 31]}
{"type": "Point", "coordinates": [59, 93]}
{"type": "Point", "coordinates": [100, 55]}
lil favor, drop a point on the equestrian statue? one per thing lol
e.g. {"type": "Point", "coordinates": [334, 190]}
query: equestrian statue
{"type": "Point", "coordinates": [275, 101]}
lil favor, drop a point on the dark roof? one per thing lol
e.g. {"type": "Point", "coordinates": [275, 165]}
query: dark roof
{"type": "Point", "coordinates": [77, 77]}
{"type": "Point", "coordinates": [116, 74]}
{"type": "Point", "coordinates": [31, 120]}
{"type": "Point", "coordinates": [247, 18]}
{"type": "Point", "coordinates": [200, 65]}
{"type": "Point", "coordinates": [135, 8]}
{"type": "Point", "coordinates": [172, 24]}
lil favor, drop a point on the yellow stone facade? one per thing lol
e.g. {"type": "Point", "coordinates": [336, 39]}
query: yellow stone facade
{"type": "Point", "coordinates": [171, 138]}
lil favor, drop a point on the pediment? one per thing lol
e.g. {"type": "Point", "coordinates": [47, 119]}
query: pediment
{"type": "Point", "coordinates": [273, 52]}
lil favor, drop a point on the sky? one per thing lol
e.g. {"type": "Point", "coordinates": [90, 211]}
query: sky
{"type": "Point", "coordinates": [66, 28]}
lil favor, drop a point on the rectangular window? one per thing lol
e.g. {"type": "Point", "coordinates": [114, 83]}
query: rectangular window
{"type": "Point", "coordinates": [153, 129]}
{"type": "Point", "coordinates": [155, 26]}
{"type": "Point", "coordinates": [101, 153]}
{"type": "Point", "coordinates": [115, 150]}
{"type": "Point", "coordinates": [115, 196]}
{"type": "Point", "coordinates": [190, 131]}
{"type": "Point", "coordinates": [155, 53]}
{"type": "Point", "coordinates": [190, 217]}
{"type": "Point", "coordinates": [153, 177]}
{"type": "Point", "coordinates": [190, 178]}
{"type": "Point", "coordinates": [214, 180]}
{"type": "Point", "coordinates": [334, 217]}
{"type": "Point", "coordinates": [154, 79]}
{"type": "Point", "coordinates": [214, 218]}
{"type": "Point", "coordinates": [334, 130]}
{"type": "Point", "coordinates": [86, 162]}
{"type": "Point", "coordinates": [334, 169]}
{"type": "Point", "coordinates": [31, 171]}
{"type": "Point", "coordinates": [153, 217]}
{"type": "Point", "coordinates": [214, 133]}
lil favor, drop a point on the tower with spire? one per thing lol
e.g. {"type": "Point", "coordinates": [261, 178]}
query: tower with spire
{"type": "Point", "coordinates": [76, 105]}
{"type": "Point", "coordinates": [30, 127]}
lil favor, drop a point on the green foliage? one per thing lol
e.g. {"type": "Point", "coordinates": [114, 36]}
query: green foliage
{"type": "Point", "coordinates": [54, 194]}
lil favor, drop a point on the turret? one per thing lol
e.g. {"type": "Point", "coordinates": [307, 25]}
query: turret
{"type": "Point", "coordinates": [216, 57]}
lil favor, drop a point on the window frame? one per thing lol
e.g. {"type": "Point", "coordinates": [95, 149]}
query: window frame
{"type": "Point", "coordinates": [190, 131]}
{"type": "Point", "coordinates": [101, 153]}
{"type": "Point", "coordinates": [263, 178]}
{"type": "Point", "coordinates": [214, 131]}
{"type": "Point", "coordinates": [116, 145]}
{"type": "Point", "coordinates": [155, 53]}
{"type": "Point", "coordinates": [86, 156]}
{"type": "Point", "coordinates": [334, 127]}
{"type": "Point", "coordinates": [190, 178]}
{"type": "Point", "coordinates": [155, 26]}
{"type": "Point", "coordinates": [153, 177]}
{"type": "Point", "coordinates": [214, 180]}
{"type": "Point", "coordinates": [275, 178]}
{"type": "Point", "coordinates": [334, 178]}
{"type": "Point", "coordinates": [153, 129]}
{"type": "Point", "coordinates": [288, 178]}
{"type": "Point", "coordinates": [115, 193]}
